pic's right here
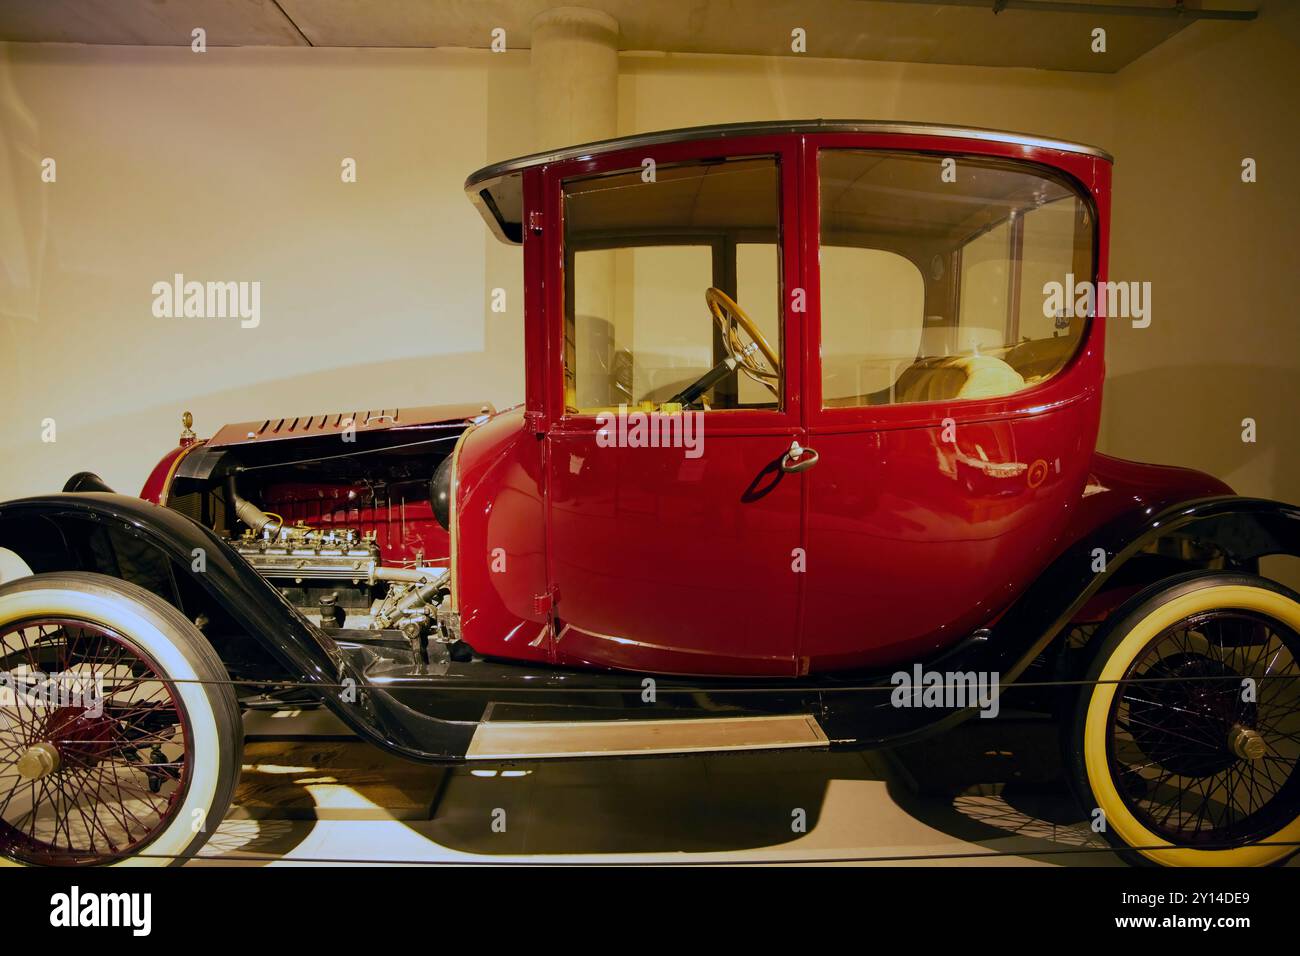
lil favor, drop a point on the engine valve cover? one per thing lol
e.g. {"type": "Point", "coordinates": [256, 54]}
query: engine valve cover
{"type": "Point", "coordinates": [297, 555]}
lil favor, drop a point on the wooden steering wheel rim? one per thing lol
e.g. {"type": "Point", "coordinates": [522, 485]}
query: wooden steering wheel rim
{"type": "Point", "coordinates": [723, 307]}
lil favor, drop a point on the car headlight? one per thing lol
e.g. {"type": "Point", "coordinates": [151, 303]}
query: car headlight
{"type": "Point", "coordinates": [440, 493]}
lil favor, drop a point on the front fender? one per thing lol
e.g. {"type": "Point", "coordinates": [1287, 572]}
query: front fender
{"type": "Point", "coordinates": [105, 532]}
{"type": "Point", "coordinates": [160, 549]}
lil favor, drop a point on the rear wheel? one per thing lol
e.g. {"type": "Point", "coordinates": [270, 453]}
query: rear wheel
{"type": "Point", "coordinates": [1186, 735]}
{"type": "Point", "coordinates": [120, 736]}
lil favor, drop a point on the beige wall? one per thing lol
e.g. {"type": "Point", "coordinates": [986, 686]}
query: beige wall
{"type": "Point", "coordinates": [375, 294]}
{"type": "Point", "coordinates": [1223, 256]}
{"type": "Point", "coordinates": [662, 91]}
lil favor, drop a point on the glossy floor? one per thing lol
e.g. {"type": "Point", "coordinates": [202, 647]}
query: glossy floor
{"type": "Point", "coordinates": [984, 794]}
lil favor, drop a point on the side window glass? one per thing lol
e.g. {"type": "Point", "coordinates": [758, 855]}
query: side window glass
{"type": "Point", "coordinates": [671, 344]}
{"type": "Point", "coordinates": [758, 288]}
{"type": "Point", "coordinates": [984, 293]}
{"type": "Point", "coordinates": [873, 314]}
{"type": "Point", "coordinates": [934, 290]}
{"type": "Point", "coordinates": [673, 290]}
{"type": "Point", "coordinates": [1051, 234]}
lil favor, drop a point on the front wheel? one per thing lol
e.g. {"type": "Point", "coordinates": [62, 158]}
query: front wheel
{"type": "Point", "coordinates": [1185, 740]}
{"type": "Point", "coordinates": [120, 735]}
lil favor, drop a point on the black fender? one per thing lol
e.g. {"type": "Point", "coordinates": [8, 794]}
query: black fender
{"type": "Point", "coordinates": [170, 554]}
{"type": "Point", "coordinates": [1241, 530]}
{"type": "Point", "coordinates": [124, 537]}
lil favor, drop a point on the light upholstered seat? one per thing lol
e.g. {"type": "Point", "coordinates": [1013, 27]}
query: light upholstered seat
{"type": "Point", "coordinates": [957, 377]}
{"type": "Point", "coordinates": [943, 379]}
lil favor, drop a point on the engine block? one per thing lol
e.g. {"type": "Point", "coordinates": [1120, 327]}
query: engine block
{"type": "Point", "coordinates": [300, 554]}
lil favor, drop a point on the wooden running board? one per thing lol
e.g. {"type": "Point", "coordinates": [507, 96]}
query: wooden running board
{"type": "Point", "coordinates": [507, 739]}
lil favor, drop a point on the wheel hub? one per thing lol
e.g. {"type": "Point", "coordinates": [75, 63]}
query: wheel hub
{"type": "Point", "coordinates": [83, 738]}
{"type": "Point", "coordinates": [37, 761]}
{"type": "Point", "coordinates": [1187, 719]}
{"type": "Point", "coordinates": [1247, 743]}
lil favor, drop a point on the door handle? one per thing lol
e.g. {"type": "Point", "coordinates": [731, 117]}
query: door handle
{"type": "Point", "coordinates": [798, 459]}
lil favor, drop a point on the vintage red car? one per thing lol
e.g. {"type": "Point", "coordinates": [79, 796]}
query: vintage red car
{"type": "Point", "coordinates": [807, 460]}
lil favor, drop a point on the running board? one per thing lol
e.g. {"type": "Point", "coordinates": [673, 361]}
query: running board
{"type": "Point", "coordinates": [511, 739]}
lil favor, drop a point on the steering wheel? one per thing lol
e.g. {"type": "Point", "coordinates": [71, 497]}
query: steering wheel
{"type": "Point", "coordinates": [755, 357]}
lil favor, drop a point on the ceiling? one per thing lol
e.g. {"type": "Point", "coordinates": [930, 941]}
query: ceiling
{"type": "Point", "coordinates": [965, 32]}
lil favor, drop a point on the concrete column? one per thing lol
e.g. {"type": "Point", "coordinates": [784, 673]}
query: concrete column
{"type": "Point", "coordinates": [574, 71]}
{"type": "Point", "coordinates": [574, 66]}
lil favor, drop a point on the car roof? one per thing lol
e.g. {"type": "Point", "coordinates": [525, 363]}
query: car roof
{"type": "Point", "coordinates": [498, 193]}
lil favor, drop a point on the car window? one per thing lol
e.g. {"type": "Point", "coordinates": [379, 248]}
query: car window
{"type": "Point", "coordinates": [873, 312]}
{"type": "Point", "coordinates": [984, 287]}
{"type": "Point", "coordinates": [640, 257]}
{"type": "Point", "coordinates": [932, 286]}
{"type": "Point", "coordinates": [758, 272]}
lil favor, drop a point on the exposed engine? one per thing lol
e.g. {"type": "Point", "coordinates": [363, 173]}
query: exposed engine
{"type": "Point", "coordinates": [337, 575]}
{"type": "Point", "coordinates": [346, 514]}
{"type": "Point", "coordinates": [300, 554]}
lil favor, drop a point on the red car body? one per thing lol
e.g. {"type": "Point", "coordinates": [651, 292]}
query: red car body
{"type": "Point", "coordinates": [851, 570]}
{"type": "Point", "coordinates": [911, 542]}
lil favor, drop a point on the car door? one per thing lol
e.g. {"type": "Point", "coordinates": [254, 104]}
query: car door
{"type": "Point", "coordinates": [952, 432]}
{"type": "Point", "coordinates": [671, 534]}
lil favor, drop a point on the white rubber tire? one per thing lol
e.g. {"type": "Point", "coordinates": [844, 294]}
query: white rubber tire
{"type": "Point", "coordinates": [183, 655]}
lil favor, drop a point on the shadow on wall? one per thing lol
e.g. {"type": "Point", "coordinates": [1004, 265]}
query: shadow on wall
{"type": "Point", "coordinates": [123, 448]}
{"type": "Point", "coordinates": [1192, 416]}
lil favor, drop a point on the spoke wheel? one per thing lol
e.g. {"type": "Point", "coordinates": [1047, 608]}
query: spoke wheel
{"type": "Point", "coordinates": [1187, 735]}
{"type": "Point", "coordinates": [1201, 761]}
{"type": "Point", "coordinates": [120, 735]}
{"type": "Point", "coordinates": [85, 786]}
